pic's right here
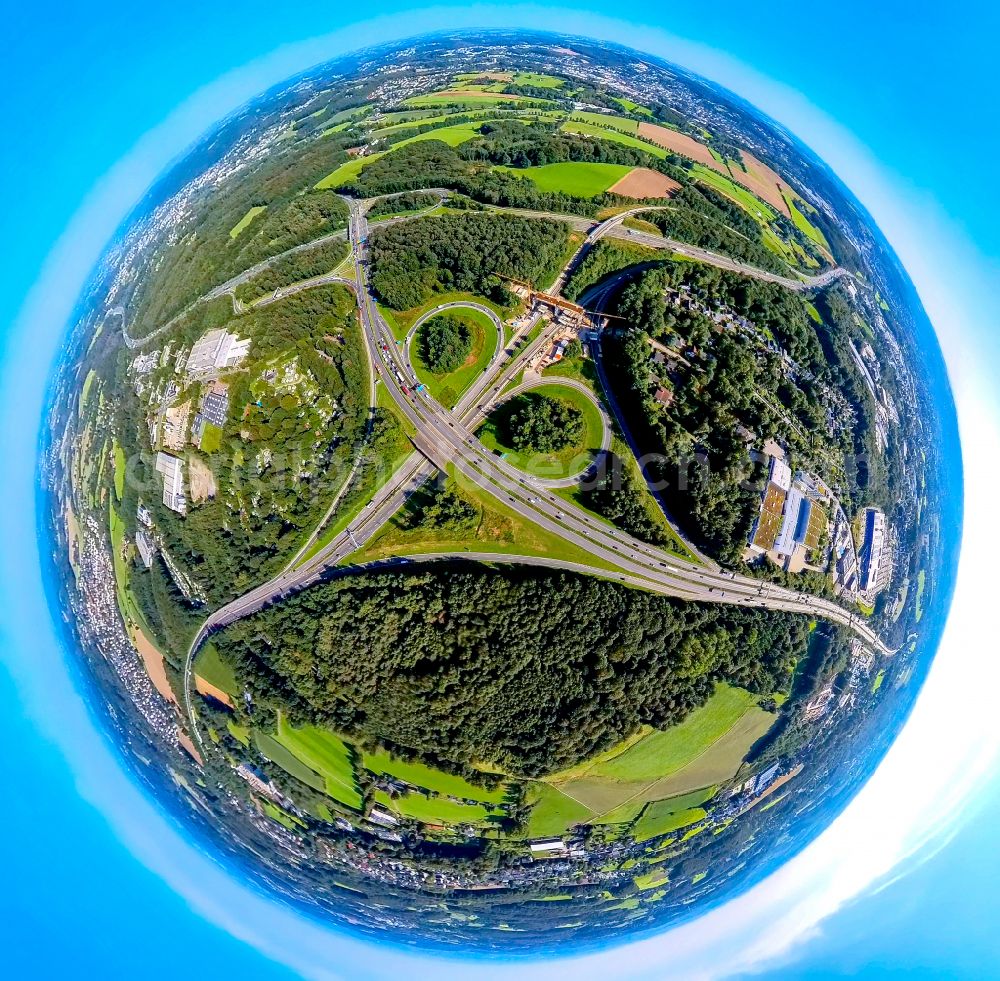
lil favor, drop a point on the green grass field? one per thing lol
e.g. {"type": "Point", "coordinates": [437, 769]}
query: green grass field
{"type": "Point", "coordinates": [441, 810]}
{"type": "Point", "coordinates": [449, 387]}
{"type": "Point", "coordinates": [466, 98]}
{"type": "Point", "coordinates": [279, 755]}
{"type": "Point", "coordinates": [497, 529]}
{"type": "Point", "coordinates": [918, 599]}
{"type": "Point", "coordinates": [88, 383]}
{"type": "Point", "coordinates": [552, 812]}
{"type": "Point", "coordinates": [452, 135]}
{"type": "Point", "coordinates": [606, 121]}
{"type": "Point", "coordinates": [122, 567]}
{"type": "Point", "coordinates": [328, 755]}
{"type": "Point", "coordinates": [629, 811]}
{"type": "Point", "coordinates": [614, 135]}
{"type": "Point", "coordinates": [661, 817]}
{"type": "Point", "coordinates": [339, 128]}
{"type": "Point", "coordinates": [240, 733]}
{"type": "Point", "coordinates": [538, 80]}
{"type": "Point", "coordinates": [286, 820]}
{"type": "Point", "coordinates": [430, 778]}
{"type": "Point", "coordinates": [211, 438]}
{"type": "Point", "coordinates": [119, 470]}
{"type": "Point", "coordinates": [356, 113]}
{"type": "Point", "coordinates": [347, 171]}
{"type": "Point", "coordinates": [633, 107]}
{"type": "Point", "coordinates": [623, 814]}
{"type": "Point", "coordinates": [566, 462]}
{"type": "Point", "coordinates": [402, 320]}
{"type": "Point", "coordinates": [757, 209]}
{"type": "Point", "coordinates": [803, 224]}
{"type": "Point", "coordinates": [210, 666]}
{"type": "Point", "coordinates": [244, 222]}
{"type": "Point", "coordinates": [427, 117]}
{"type": "Point", "coordinates": [117, 530]}
{"type": "Point", "coordinates": [582, 180]}
{"type": "Point", "coordinates": [662, 753]}
{"type": "Point", "coordinates": [703, 750]}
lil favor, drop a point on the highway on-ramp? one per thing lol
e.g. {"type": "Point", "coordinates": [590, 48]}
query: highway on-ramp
{"type": "Point", "coordinates": [446, 438]}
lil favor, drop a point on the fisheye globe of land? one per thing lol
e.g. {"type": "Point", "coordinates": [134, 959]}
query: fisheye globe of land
{"type": "Point", "coordinates": [495, 482]}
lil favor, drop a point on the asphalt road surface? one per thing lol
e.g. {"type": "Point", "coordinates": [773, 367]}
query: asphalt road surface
{"type": "Point", "coordinates": [447, 437]}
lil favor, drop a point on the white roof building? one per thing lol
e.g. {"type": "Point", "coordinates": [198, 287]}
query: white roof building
{"type": "Point", "coordinates": [780, 474]}
{"type": "Point", "coordinates": [146, 548]}
{"type": "Point", "coordinates": [172, 468]}
{"type": "Point", "coordinates": [873, 548]}
{"type": "Point", "coordinates": [792, 522]}
{"type": "Point", "coordinates": [215, 350]}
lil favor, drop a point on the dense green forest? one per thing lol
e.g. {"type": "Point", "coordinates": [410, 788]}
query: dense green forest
{"type": "Point", "coordinates": [412, 261]}
{"type": "Point", "coordinates": [773, 308]}
{"type": "Point", "coordinates": [708, 220]}
{"type": "Point", "coordinates": [615, 494]}
{"type": "Point", "coordinates": [513, 144]}
{"type": "Point", "coordinates": [696, 452]}
{"type": "Point", "coordinates": [431, 163]}
{"type": "Point", "coordinates": [529, 671]}
{"type": "Point", "coordinates": [209, 253]}
{"type": "Point", "coordinates": [444, 343]}
{"type": "Point", "coordinates": [410, 201]}
{"type": "Point", "coordinates": [728, 383]}
{"type": "Point", "coordinates": [542, 424]}
{"type": "Point", "coordinates": [828, 656]}
{"type": "Point", "coordinates": [605, 257]}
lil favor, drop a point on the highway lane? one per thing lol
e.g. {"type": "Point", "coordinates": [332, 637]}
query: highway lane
{"type": "Point", "coordinates": [724, 262]}
{"type": "Point", "coordinates": [450, 438]}
{"type": "Point", "coordinates": [456, 442]}
{"type": "Point", "coordinates": [230, 285]}
{"type": "Point", "coordinates": [595, 231]}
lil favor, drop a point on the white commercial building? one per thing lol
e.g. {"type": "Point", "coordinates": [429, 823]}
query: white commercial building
{"type": "Point", "coordinates": [145, 546]}
{"type": "Point", "coordinates": [795, 519]}
{"type": "Point", "coordinates": [172, 468]}
{"type": "Point", "coordinates": [216, 350]}
{"type": "Point", "coordinates": [874, 548]}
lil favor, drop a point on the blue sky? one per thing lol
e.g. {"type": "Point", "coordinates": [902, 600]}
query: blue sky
{"type": "Point", "coordinates": [86, 90]}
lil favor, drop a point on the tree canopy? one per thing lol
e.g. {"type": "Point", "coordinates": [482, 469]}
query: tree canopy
{"type": "Point", "coordinates": [528, 670]}
{"type": "Point", "coordinates": [467, 252]}
{"type": "Point", "coordinates": [543, 424]}
{"type": "Point", "coordinates": [444, 343]}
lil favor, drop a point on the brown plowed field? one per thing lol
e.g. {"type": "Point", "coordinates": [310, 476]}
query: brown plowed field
{"type": "Point", "coordinates": [758, 178]}
{"type": "Point", "coordinates": [678, 142]}
{"type": "Point", "coordinates": [185, 740]}
{"type": "Point", "coordinates": [645, 183]}
{"type": "Point", "coordinates": [204, 687]}
{"type": "Point", "coordinates": [153, 660]}
{"type": "Point", "coordinates": [761, 180]}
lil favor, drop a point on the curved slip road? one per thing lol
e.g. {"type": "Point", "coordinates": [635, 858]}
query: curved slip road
{"type": "Point", "coordinates": [541, 381]}
{"type": "Point", "coordinates": [446, 437]}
